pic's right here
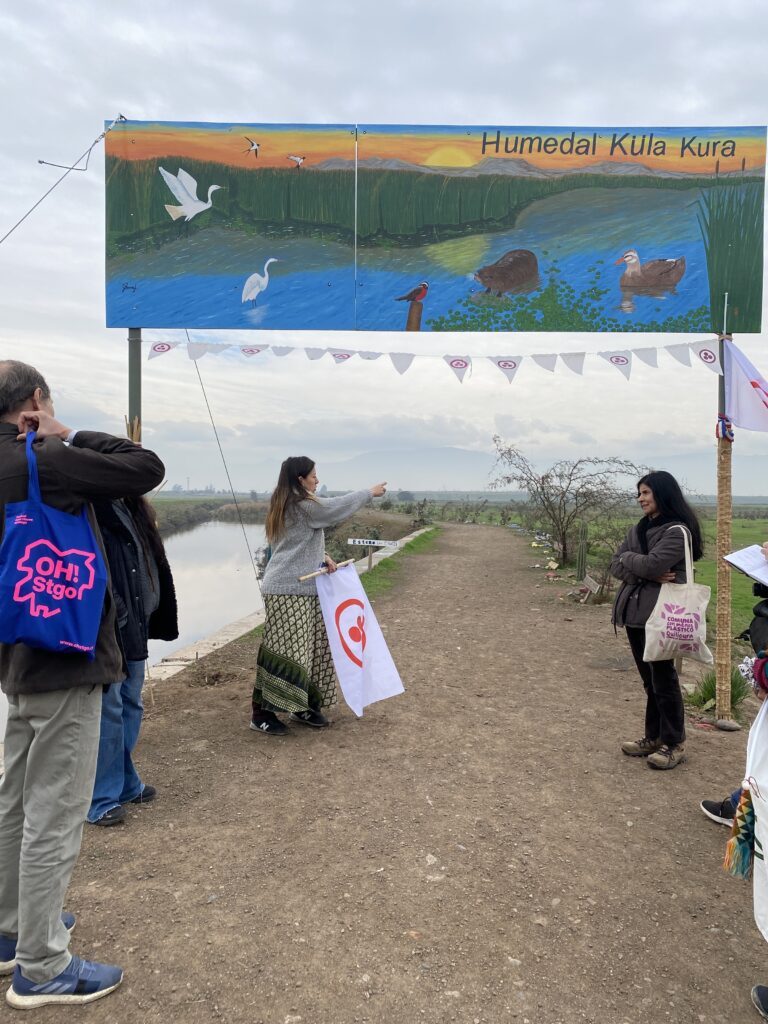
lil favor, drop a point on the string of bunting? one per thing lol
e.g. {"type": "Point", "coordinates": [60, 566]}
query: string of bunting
{"type": "Point", "coordinates": [705, 352]}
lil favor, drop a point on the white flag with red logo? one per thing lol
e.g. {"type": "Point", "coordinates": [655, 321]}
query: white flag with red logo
{"type": "Point", "coordinates": [361, 657]}
{"type": "Point", "coordinates": [746, 391]}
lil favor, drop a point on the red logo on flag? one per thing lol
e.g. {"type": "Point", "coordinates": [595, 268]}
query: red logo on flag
{"type": "Point", "coordinates": [355, 632]}
{"type": "Point", "coordinates": [506, 364]}
{"type": "Point", "coordinates": [459, 364]}
{"type": "Point", "coordinates": [706, 356]}
{"type": "Point", "coordinates": [161, 347]}
{"type": "Point", "coordinates": [619, 360]}
{"type": "Point", "coordinates": [250, 351]}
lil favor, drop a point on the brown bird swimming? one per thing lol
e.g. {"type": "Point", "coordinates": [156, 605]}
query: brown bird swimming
{"type": "Point", "coordinates": [510, 272]}
{"type": "Point", "coordinates": [653, 274]}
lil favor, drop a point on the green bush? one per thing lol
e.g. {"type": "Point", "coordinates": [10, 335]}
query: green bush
{"type": "Point", "coordinates": [703, 696]}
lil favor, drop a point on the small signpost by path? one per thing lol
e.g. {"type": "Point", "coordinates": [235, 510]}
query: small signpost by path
{"type": "Point", "coordinates": [371, 544]}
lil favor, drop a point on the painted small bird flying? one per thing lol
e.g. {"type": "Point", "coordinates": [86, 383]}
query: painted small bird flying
{"type": "Point", "coordinates": [298, 160]}
{"type": "Point", "coordinates": [257, 283]}
{"type": "Point", "coordinates": [253, 147]}
{"type": "Point", "coordinates": [417, 294]}
{"type": "Point", "coordinates": [184, 188]}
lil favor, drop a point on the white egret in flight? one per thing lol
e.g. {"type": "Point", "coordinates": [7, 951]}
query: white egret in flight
{"type": "Point", "coordinates": [184, 188]}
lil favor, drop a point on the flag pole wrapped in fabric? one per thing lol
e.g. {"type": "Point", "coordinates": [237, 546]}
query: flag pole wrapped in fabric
{"type": "Point", "coordinates": [361, 657]}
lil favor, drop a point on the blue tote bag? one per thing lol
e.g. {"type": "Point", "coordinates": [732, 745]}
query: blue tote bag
{"type": "Point", "coordinates": [52, 575]}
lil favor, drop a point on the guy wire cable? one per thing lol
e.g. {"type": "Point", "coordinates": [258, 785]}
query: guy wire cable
{"type": "Point", "coordinates": [58, 181]}
{"type": "Point", "coordinates": [226, 470]}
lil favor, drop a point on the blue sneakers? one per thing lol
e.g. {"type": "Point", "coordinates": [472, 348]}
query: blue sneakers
{"type": "Point", "coordinates": [8, 946]}
{"type": "Point", "coordinates": [82, 981]}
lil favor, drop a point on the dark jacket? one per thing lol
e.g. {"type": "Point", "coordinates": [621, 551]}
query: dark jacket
{"type": "Point", "coordinates": [93, 466]}
{"type": "Point", "coordinates": [637, 597]}
{"type": "Point", "coordinates": [134, 629]}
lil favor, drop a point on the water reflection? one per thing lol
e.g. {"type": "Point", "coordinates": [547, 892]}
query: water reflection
{"type": "Point", "coordinates": [214, 580]}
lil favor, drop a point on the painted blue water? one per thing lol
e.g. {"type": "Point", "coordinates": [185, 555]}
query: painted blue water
{"type": "Point", "coordinates": [582, 232]}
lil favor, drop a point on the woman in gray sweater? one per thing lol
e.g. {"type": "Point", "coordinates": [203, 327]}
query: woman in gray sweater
{"type": "Point", "coordinates": [294, 669]}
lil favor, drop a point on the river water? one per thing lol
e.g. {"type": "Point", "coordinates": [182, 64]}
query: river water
{"type": "Point", "coordinates": [214, 581]}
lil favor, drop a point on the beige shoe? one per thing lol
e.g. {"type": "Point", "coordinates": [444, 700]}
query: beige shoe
{"type": "Point", "coordinates": [667, 757]}
{"type": "Point", "coordinates": [640, 748]}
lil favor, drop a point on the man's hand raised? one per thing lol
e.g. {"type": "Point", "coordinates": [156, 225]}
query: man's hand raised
{"type": "Point", "coordinates": [42, 423]}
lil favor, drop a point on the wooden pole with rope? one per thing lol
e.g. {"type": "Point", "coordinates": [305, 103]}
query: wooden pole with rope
{"type": "Point", "coordinates": [723, 628]}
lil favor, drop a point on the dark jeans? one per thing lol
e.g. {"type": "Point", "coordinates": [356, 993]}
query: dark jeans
{"type": "Point", "coordinates": [664, 713]}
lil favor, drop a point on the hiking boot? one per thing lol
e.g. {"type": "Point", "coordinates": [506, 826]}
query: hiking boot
{"type": "Point", "coordinates": [8, 945]}
{"type": "Point", "coordinates": [640, 748]}
{"type": "Point", "coordinates": [667, 757]}
{"type": "Point", "coordinates": [81, 981]}
{"type": "Point", "coordinates": [268, 722]}
{"type": "Point", "coordinates": [114, 816]}
{"type": "Point", "coordinates": [760, 1000]}
{"type": "Point", "coordinates": [310, 717]}
{"type": "Point", "coordinates": [722, 812]}
{"type": "Point", "coordinates": [146, 796]}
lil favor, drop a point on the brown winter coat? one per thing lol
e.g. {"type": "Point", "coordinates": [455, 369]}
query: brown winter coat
{"type": "Point", "coordinates": [93, 466]}
{"type": "Point", "coordinates": [638, 594]}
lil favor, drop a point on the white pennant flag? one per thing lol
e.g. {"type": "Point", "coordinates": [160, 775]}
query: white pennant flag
{"type": "Point", "coordinates": [682, 353]}
{"type": "Point", "coordinates": [369, 355]}
{"type": "Point", "coordinates": [315, 353]}
{"type": "Point", "coordinates": [509, 365]}
{"type": "Point", "coordinates": [746, 391]}
{"type": "Point", "coordinates": [160, 348]}
{"type": "Point", "coordinates": [361, 657]}
{"type": "Point", "coordinates": [341, 355]}
{"type": "Point", "coordinates": [706, 352]}
{"type": "Point", "coordinates": [248, 351]}
{"type": "Point", "coordinates": [197, 349]}
{"type": "Point", "coordinates": [459, 365]}
{"type": "Point", "coordinates": [282, 350]}
{"type": "Point", "coordinates": [574, 361]}
{"type": "Point", "coordinates": [546, 362]}
{"type": "Point", "coordinates": [649, 356]}
{"type": "Point", "coordinates": [621, 360]}
{"type": "Point", "coordinates": [401, 360]}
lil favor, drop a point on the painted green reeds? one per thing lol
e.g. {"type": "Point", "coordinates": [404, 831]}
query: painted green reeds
{"type": "Point", "coordinates": [731, 221]}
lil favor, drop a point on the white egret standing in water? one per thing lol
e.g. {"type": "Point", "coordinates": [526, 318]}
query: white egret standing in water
{"type": "Point", "coordinates": [257, 283]}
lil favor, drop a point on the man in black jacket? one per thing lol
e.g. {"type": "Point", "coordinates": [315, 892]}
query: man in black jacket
{"type": "Point", "coordinates": [54, 700]}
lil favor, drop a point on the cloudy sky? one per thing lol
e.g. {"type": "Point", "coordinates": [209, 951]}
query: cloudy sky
{"type": "Point", "coordinates": [67, 67]}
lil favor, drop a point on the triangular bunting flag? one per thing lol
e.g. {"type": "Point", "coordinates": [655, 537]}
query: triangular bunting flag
{"type": "Point", "coordinates": [282, 350]}
{"type": "Point", "coordinates": [682, 353]}
{"type": "Point", "coordinates": [621, 360]}
{"type": "Point", "coordinates": [401, 360]}
{"type": "Point", "coordinates": [341, 355]}
{"type": "Point", "coordinates": [369, 355]}
{"type": "Point", "coordinates": [746, 391]}
{"type": "Point", "coordinates": [247, 351]}
{"type": "Point", "coordinates": [160, 348]}
{"type": "Point", "coordinates": [546, 362]}
{"type": "Point", "coordinates": [509, 365]}
{"type": "Point", "coordinates": [574, 361]}
{"type": "Point", "coordinates": [197, 349]}
{"type": "Point", "coordinates": [459, 365]}
{"type": "Point", "coordinates": [649, 356]}
{"type": "Point", "coordinates": [706, 352]}
{"type": "Point", "coordinates": [315, 353]}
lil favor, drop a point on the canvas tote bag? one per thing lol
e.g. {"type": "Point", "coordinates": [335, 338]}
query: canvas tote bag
{"type": "Point", "coordinates": [677, 627]}
{"type": "Point", "coordinates": [52, 575]}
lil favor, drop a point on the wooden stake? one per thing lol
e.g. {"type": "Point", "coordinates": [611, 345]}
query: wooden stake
{"type": "Point", "coordinates": [414, 316]}
{"type": "Point", "coordinates": [370, 559]}
{"type": "Point", "coordinates": [724, 527]}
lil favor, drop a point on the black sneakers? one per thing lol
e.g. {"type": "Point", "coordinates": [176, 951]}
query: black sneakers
{"type": "Point", "coordinates": [268, 722]}
{"type": "Point", "coordinates": [720, 811]}
{"type": "Point", "coordinates": [760, 1000]}
{"type": "Point", "coordinates": [310, 717]}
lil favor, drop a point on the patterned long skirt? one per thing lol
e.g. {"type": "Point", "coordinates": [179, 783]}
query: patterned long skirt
{"type": "Point", "coordinates": [294, 668]}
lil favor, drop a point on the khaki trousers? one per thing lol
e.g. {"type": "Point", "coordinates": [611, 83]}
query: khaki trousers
{"type": "Point", "coordinates": [51, 743]}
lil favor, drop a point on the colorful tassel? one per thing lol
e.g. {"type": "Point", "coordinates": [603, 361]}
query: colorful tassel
{"type": "Point", "coordinates": [724, 428]}
{"type": "Point", "coordinates": [740, 851]}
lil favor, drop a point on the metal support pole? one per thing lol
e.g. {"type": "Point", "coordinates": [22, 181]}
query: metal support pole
{"type": "Point", "coordinates": [724, 532]}
{"type": "Point", "coordinates": [134, 384]}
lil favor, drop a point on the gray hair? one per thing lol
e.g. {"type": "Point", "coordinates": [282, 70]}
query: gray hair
{"type": "Point", "coordinates": [18, 382]}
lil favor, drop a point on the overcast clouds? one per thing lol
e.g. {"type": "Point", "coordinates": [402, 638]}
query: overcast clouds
{"type": "Point", "coordinates": [69, 66]}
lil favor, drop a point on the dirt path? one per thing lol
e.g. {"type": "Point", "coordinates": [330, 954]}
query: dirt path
{"type": "Point", "coordinates": [477, 850]}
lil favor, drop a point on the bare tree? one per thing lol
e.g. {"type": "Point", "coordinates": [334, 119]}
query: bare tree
{"type": "Point", "coordinates": [571, 490]}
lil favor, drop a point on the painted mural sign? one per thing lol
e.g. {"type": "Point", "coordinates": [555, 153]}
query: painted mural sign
{"type": "Point", "coordinates": [342, 227]}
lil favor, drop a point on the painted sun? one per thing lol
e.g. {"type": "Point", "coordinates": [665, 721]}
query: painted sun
{"type": "Point", "coordinates": [449, 156]}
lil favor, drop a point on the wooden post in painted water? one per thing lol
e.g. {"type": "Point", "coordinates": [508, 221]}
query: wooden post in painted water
{"type": "Point", "coordinates": [134, 384]}
{"type": "Point", "coordinates": [414, 316]}
{"type": "Point", "coordinates": [724, 527]}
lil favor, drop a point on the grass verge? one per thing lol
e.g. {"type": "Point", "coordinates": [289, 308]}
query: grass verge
{"type": "Point", "coordinates": [384, 575]}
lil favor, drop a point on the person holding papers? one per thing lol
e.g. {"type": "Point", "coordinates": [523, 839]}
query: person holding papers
{"type": "Point", "coordinates": [294, 670]}
{"type": "Point", "coordinates": [653, 554]}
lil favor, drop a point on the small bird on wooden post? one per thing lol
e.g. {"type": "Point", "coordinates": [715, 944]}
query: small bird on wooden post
{"type": "Point", "coordinates": [414, 298]}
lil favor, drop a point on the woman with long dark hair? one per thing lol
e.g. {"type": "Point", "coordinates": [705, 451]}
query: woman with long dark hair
{"type": "Point", "coordinates": [653, 554]}
{"type": "Point", "coordinates": [294, 671]}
